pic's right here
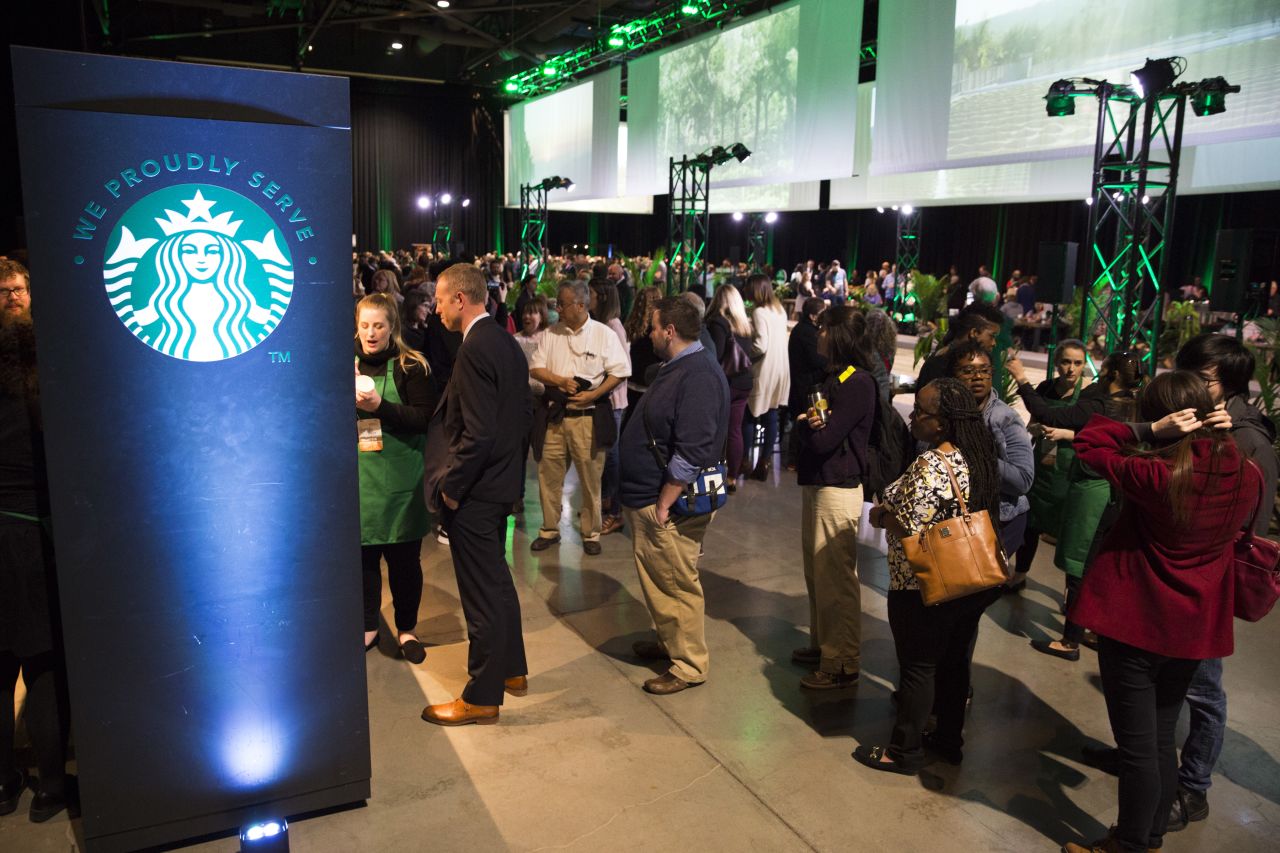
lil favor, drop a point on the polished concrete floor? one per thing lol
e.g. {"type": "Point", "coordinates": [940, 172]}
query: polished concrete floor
{"type": "Point", "coordinates": [749, 761]}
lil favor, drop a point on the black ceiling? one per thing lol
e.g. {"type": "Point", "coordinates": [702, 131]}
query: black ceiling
{"type": "Point", "coordinates": [476, 42]}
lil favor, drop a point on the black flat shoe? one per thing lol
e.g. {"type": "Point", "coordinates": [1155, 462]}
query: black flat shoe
{"type": "Point", "coordinates": [11, 792]}
{"type": "Point", "coordinates": [45, 806]}
{"type": "Point", "coordinates": [413, 651]}
{"type": "Point", "coordinates": [1045, 647]}
{"type": "Point", "coordinates": [371, 645]}
{"type": "Point", "coordinates": [871, 755]}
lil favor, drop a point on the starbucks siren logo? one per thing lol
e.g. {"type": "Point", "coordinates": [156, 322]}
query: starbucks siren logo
{"type": "Point", "coordinates": [186, 285]}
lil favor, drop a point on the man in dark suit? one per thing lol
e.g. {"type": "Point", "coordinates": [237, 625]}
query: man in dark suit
{"type": "Point", "coordinates": [487, 413]}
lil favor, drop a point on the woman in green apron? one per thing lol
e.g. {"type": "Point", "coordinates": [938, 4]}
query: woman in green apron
{"type": "Point", "coordinates": [1087, 494]}
{"type": "Point", "coordinates": [394, 402]}
{"type": "Point", "coordinates": [1053, 457]}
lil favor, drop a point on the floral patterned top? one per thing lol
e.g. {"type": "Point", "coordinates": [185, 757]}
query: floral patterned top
{"type": "Point", "coordinates": [919, 498]}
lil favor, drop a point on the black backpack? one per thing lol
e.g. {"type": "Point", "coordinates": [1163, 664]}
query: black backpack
{"type": "Point", "coordinates": [890, 449]}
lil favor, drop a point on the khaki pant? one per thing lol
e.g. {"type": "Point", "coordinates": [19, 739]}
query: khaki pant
{"type": "Point", "coordinates": [570, 440]}
{"type": "Point", "coordinates": [667, 562]}
{"type": "Point", "coordinates": [829, 541]}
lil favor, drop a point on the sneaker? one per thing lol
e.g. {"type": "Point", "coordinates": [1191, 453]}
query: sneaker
{"type": "Point", "coordinates": [441, 536]}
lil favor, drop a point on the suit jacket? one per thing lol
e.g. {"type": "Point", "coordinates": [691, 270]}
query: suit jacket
{"type": "Point", "coordinates": [486, 417]}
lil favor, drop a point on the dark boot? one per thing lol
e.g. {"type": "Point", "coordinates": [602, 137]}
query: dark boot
{"type": "Point", "coordinates": [762, 470]}
{"type": "Point", "coordinates": [1188, 806]}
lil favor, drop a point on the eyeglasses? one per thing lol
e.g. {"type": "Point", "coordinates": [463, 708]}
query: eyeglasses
{"type": "Point", "coordinates": [561, 304]}
{"type": "Point", "coordinates": [1209, 380]}
{"type": "Point", "coordinates": [11, 292]}
{"type": "Point", "coordinates": [974, 372]}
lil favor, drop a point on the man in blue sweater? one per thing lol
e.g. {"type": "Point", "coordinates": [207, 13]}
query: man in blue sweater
{"type": "Point", "coordinates": [686, 410]}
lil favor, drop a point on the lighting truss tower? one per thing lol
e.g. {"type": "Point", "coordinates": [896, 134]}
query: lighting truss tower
{"type": "Point", "coordinates": [441, 238]}
{"type": "Point", "coordinates": [756, 252]}
{"type": "Point", "coordinates": [1137, 148]}
{"type": "Point", "coordinates": [533, 223]}
{"type": "Point", "coordinates": [689, 219]}
{"type": "Point", "coordinates": [907, 248]}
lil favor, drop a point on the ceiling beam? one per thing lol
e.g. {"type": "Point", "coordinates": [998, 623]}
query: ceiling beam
{"type": "Point", "coordinates": [430, 7]}
{"type": "Point", "coordinates": [305, 43]}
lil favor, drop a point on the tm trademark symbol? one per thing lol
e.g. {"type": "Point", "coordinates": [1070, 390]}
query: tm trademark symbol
{"type": "Point", "coordinates": [279, 357]}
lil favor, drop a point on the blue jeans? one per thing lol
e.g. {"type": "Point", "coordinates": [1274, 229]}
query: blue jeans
{"type": "Point", "coordinates": [1208, 703]}
{"type": "Point", "coordinates": [611, 480]}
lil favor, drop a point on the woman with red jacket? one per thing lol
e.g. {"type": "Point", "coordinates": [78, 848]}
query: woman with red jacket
{"type": "Point", "coordinates": [1165, 565]}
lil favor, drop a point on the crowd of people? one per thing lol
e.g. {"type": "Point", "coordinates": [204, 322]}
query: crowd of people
{"type": "Point", "coordinates": [667, 405]}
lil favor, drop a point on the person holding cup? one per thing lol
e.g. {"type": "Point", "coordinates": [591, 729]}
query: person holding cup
{"type": "Point", "coordinates": [394, 402]}
{"type": "Point", "coordinates": [831, 463]}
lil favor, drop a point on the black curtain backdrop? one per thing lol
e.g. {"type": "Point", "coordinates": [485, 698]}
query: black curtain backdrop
{"type": "Point", "coordinates": [1004, 236]}
{"type": "Point", "coordinates": [409, 140]}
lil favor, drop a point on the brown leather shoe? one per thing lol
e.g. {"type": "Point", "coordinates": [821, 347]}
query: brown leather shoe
{"type": "Point", "coordinates": [649, 650]}
{"type": "Point", "coordinates": [1102, 845]}
{"type": "Point", "coordinates": [612, 524]}
{"type": "Point", "coordinates": [517, 686]}
{"type": "Point", "coordinates": [667, 684]}
{"type": "Point", "coordinates": [542, 543]}
{"type": "Point", "coordinates": [591, 548]}
{"type": "Point", "coordinates": [460, 713]}
{"type": "Point", "coordinates": [820, 680]}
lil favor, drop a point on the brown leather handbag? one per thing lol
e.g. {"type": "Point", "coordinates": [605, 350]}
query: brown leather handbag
{"type": "Point", "coordinates": [956, 556]}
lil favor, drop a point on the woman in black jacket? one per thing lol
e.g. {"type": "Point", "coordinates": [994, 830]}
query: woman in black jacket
{"type": "Point", "coordinates": [728, 325]}
{"type": "Point", "coordinates": [394, 402]}
{"type": "Point", "coordinates": [831, 464]}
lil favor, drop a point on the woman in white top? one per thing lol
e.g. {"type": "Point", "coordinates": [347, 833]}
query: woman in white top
{"type": "Point", "coordinates": [533, 325]}
{"type": "Point", "coordinates": [606, 308]}
{"type": "Point", "coordinates": [771, 374]}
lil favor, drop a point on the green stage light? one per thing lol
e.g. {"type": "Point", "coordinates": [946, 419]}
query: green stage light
{"type": "Point", "coordinates": [512, 86]}
{"type": "Point", "coordinates": [549, 71]}
{"type": "Point", "coordinates": [1058, 102]}
{"type": "Point", "coordinates": [616, 41]}
{"type": "Point", "coordinates": [690, 9]}
{"type": "Point", "coordinates": [1210, 96]}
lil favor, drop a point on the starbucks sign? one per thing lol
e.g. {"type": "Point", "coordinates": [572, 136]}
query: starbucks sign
{"type": "Point", "coordinates": [198, 272]}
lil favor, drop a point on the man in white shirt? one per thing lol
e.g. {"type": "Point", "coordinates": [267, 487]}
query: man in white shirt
{"type": "Point", "coordinates": [984, 287]}
{"type": "Point", "coordinates": [576, 347]}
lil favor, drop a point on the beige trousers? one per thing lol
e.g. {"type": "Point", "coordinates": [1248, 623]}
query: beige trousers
{"type": "Point", "coordinates": [829, 541]}
{"type": "Point", "coordinates": [667, 562]}
{"type": "Point", "coordinates": [570, 440]}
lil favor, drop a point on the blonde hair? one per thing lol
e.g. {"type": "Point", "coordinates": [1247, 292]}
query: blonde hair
{"type": "Point", "coordinates": [727, 302]}
{"type": "Point", "coordinates": [387, 305]}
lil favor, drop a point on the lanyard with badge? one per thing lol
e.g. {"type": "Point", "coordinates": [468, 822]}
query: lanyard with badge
{"type": "Point", "coordinates": [369, 430]}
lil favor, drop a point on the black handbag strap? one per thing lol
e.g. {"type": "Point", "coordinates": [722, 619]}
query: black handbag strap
{"type": "Point", "coordinates": [652, 444]}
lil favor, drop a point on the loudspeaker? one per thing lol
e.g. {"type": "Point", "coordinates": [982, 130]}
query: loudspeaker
{"type": "Point", "coordinates": [1231, 268]}
{"type": "Point", "coordinates": [1056, 272]}
{"type": "Point", "coordinates": [735, 255]}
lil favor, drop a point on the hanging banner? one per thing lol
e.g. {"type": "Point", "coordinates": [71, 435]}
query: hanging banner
{"type": "Point", "coordinates": [188, 229]}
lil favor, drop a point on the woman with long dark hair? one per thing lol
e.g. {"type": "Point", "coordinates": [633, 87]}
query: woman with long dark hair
{"type": "Point", "coordinates": [1164, 566]}
{"type": "Point", "coordinates": [933, 642]}
{"type": "Point", "coordinates": [830, 465]}
{"type": "Point", "coordinates": [394, 402]}
{"type": "Point", "coordinates": [727, 324]}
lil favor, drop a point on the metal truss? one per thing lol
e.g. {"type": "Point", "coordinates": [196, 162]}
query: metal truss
{"type": "Point", "coordinates": [907, 250]}
{"type": "Point", "coordinates": [756, 251]}
{"type": "Point", "coordinates": [689, 219]}
{"type": "Point", "coordinates": [533, 223]}
{"type": "Point", "coordinates": [1135, 176]}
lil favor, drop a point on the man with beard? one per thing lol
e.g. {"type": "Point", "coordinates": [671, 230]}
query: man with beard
{"type": "Point", "coordinates": [28, 600]}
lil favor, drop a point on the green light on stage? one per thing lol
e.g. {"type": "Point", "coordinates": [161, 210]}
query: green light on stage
{"type": "Point", "coordinates": [1208, 103]}
{"type": "Point", "coordinates": [512, 86]}
{"type": "Point", "coordinates": [690, 9]}
{"type": "Point", "coordinates": [549, 71]}
{"type": "Point", "coordinates": [616, 41]}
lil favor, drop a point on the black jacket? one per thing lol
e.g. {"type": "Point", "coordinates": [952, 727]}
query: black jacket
{"type": "Point", "coordinates": [807, 367]}
{"type": "Point", "coordinates": [487, 412]}
{"type": "Point", "coordinates": [721, 334]}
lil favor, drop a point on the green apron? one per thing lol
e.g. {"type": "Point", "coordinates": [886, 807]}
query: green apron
{"type": "Point", "coordinates": [1049, 489]}
{"type": "Point", "coordinates": [1086, 501]}
{"type": "Point", "coordinates": [393, 506]}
